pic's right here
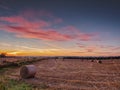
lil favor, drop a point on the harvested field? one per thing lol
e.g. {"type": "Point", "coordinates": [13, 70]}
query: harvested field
{"type": "Point", "coordinates": [74, 74]}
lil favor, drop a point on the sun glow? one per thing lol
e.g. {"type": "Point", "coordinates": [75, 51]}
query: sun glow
{"type": "Point", "coordinates": [13, 53]}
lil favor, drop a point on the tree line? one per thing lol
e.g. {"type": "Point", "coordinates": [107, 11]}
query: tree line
{"type": "Point", "coordinates": [2, 55]}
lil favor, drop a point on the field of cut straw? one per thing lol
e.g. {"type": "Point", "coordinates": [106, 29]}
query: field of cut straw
{"type": "Point", "coordinates": [71, 74]}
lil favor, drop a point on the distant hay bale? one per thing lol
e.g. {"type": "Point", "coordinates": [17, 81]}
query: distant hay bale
{"type": "Point", "coordinates": [92, 60]}
{"type": "Point", "coordinates": [99, 61]}
{"type": "Point", "coordinates": [28, 71]}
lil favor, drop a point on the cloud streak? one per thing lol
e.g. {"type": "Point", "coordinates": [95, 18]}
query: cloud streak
{"type": "Point", "coordinates": [23, 26]}
{"type": "Point", "coordinates": [99, 49]}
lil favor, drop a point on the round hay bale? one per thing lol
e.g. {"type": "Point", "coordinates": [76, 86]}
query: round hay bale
{"type": "Point", "coordinates": [99, 61]}
{"type": "Point", "coordinates": [92, 60]}
{"type": "Point", "coordinates": [28, 71]}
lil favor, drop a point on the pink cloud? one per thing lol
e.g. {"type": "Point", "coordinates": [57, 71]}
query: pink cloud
{"type": "Point", "coordinates": [23, 22]}
{"type": "Point", "coordinates": [29, 29]}
{"type": "Point", "coordinates": [100, 49]}
{"type": "Point", "coordinates": [81, 45]}
{"type": "Point", "coordinates": [109, 53]}
{"type": "Point", "coordinates": [79, 35]}
{"type": "Point", "coordinates": [90, 49]}
{"type": "Point", "coordinates": [86, 36]}
{"type": "Point", "coordinates": [37, 34]}
{"type": "Point", "coordinates": [109, 47]}
{"type": "Point", "coordinates": [23, 26]}
{"type": "Point", "coordinates": [116, 48]}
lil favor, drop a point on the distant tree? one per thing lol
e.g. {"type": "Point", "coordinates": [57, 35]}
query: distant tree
{"type": "Point", "coordinates": [3, 55]}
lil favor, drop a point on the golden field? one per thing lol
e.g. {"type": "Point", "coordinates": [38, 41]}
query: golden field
{"type": "Point", "coordinates": [72, 74]}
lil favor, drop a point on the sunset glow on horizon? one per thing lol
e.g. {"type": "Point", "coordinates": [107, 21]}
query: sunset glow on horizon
{"type": "Point", "coordinates": [59, 28]}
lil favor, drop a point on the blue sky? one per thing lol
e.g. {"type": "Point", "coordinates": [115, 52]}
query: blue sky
{"type": "Point", "coordinates": [59, 27]}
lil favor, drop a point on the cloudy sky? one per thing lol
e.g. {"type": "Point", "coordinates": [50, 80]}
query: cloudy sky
{"type": "Point", "coordinates": [60, 27]}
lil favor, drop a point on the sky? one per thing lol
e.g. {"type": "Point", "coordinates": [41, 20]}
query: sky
{"type": "Point", "coordinates": [60, 27]}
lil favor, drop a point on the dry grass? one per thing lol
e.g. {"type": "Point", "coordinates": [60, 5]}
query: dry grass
{"type": "Point", "coordinates": [74, 75]}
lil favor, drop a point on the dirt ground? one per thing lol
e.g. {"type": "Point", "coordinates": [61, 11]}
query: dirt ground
{"type": "Point", "coordinates": [75, 74]}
